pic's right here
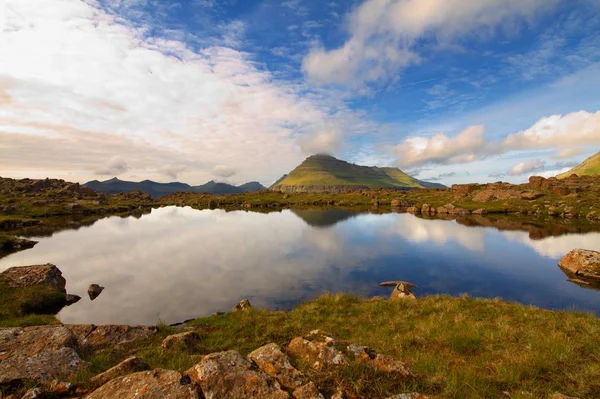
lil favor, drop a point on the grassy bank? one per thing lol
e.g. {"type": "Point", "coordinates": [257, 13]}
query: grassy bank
{"type": "Point", "coordinates": [457, 347]}
{"type": "Point", "coordinates": [29, 306]}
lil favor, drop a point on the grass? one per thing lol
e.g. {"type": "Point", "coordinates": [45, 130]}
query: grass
{"type": "Point", "coordinates": [590, 166]}
{"type": "Point", "coordinates": [29, 306]}
{"type": "Point", "coordinates": [457, 347]}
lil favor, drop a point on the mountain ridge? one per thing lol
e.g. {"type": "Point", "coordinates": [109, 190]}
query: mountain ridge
{"type": "Point", "coordinates": [326, 173]}
{"type": "Point", "coordinates": [590, 166]}
{"type": "Point", "coordinates": [156, 189]}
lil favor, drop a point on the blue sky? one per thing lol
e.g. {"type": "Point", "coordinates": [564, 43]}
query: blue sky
{"type": "Point", "coordinates": [452, 91]}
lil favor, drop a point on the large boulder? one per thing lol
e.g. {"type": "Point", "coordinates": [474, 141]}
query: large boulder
{"type": "Point", "coordinates": [25, 276]}
{"type": "Point", "coordinates": [38, 354]}
{"type": "Point", "coordinates": [583, 263]}
{"type": "Point", "coordinates": [127, 366]}
{"type": "Point", "coordinates": [271, 359]}
{"type": "Point", "coordinates": [156, 384]}
{"type": "Point", "coordinates": [185, 340]}
{"type": "Point", "coordinates": [227, 375]}
{"type": "Point", "coordinates": [92, 337]}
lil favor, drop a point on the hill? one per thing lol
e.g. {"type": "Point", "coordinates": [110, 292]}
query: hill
{"type": "Point", "coordinates": [326, 173]}
{"type": "Point", "coordinates": [589, 167]}
{"type": "Point", "coordinates": [156, 190]}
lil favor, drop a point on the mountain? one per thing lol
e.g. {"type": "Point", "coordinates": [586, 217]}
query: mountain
{"type": "Point", "coordinates": [115, 186]}
{"type": "Point", "coordinates": [324, 172]}
{"type": "Point", "coordinates": [590, 166]}
{"type": "Point", "coordinates": [277, 182]}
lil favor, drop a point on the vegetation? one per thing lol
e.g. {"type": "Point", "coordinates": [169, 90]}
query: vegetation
{"type": "Point", "coordinates": [590, 166]}
{"type": "Point", "coordinates": [327, 171]}
{"type": "Point", "coordinates": [29, 306]}
{"type": "Point", "coordinates": [457, 347]}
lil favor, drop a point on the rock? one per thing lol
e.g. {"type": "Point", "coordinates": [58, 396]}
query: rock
{"type": "Point", "coordinates": [308, 391]}
{"type": "Point", "coordinates": [273, 361]}
{"type": "Point", "coordinates": [536, 181]}
{"type": "Point", "coordinates": [244, 304]}
{"type": "Point", "coordinates": [94, 290]}
{"type": "Point", "coordinates": [459, 211]}
{"type": "Point", "coordinates": [60, 388]}
{"type": "Point", "coordinates": [379, 362]}
{"type": "Point", "coordinates": [530, 195]}
{"type": "Point", "coordinates": [186, 340]}
{"type": "Point", "coordinates": [412, 209]}
{"type": "Point", "coordinates": [25, 276]}
{"type": "Point", "coordinates": [91, 337]}
{"type": "Point", "coordinates": [463, 190]}
{"type": "Point", "coordinates": [156, 384]}
{"type": "Point", "coordinates": [402, 289]}
{"type": "Point", "coordinates": [320, 355]}
{"type": "Point", "coordinates": [38, 354]}
{"type": "Point", "coordinates": [396, 203]}
{"type": "Point", "coordinates": [412, 395]}
{"type": "Point", "coordinates": [227, 375]}
{"type": "Point", "coordinates": [559, 395]}
{"type": "Point", "coordinates": [246, 205]}
{"type": "Point", "coordinates": [425, 209]}
{"type": "Point", "coordinates": [33, 393]}
{"type": "Point", "coordinates": [480, 211]}
{"type": "Point", "coordinates": [592, 215]}
{"type": "Point", "coordinates": [442, 210]}
{"type": "Point", "coordinates": [70, 299]}
{"type": "Point", "coordinates": [583, 263]}
{"type": "Point", "coordinates": [127, 366]}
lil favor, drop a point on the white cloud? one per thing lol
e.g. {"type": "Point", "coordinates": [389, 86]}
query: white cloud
{"type": "Point", "coordinates": [324, 141]}
{"type": "Point", "coordinates": [567, 153]}
{"type": "Point", "coordinates": [114, 166]}
{"type": "Point", "coordinates": [223, 171]}
{"type": "Point", "coordinates": [172, 171]}
{"type": "Point", "coordinates": [564, 133]}
{"type": "Point", "coordinates": [528, 167]}
{"type": "Point", "coordinates": [89, 85]}
{"type": "Point", "coordinates": [384, 34]}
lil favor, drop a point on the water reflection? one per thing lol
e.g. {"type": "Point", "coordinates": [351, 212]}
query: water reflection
{"type": "Point", "coordinates": [178, 263]}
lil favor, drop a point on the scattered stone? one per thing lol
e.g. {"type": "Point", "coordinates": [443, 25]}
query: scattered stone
{"type": "Point", "coordinates": [320, 355]}
{"type": "Point", "coordinates": [156, 384]}
{"type": "Point", "coordinates": [412, 395]}
{"type": "Point", "coordinates": [33, 393]}
{"type": "Point", "coordinates": [480, 211]}
{"type": "Point", "coordinates": [38, 354]}
{"type": "Point", "coordinates": [227, 375]}
{"type": "Point", "coordinates": [127, 366]}
{"type": "Point", "coordinates": [536, 181]}
{"type": "Point", "coordinates": [463, 190]}
{"type": "Point", "coordinates": [442, 210]}
{"type": "Point", "coordinates": [379, 362]}
{"type": "Point", "coordinates": [425, 209]}
{"type": "Point", "coordinates": [559, 395]}
{"type": "Point", "coordinates": [583, 263]}
{"type": "Point", "coordinates": [91, 337]}
{"type": "Point", "coordinates": [271, 359]}
{"type": "Point", "coordinates": [244, 304]}
{"type": "Point", "coordinates": [308, 391]}
{"type": "Point", "coordinates": [94, 290]}
{"type": "Point", "coordinates": [70, 299]}
{"type": "Point", "coordinates": [396, 203]}
{"type": "Point", "coordinates": [60, 388]}
{"type": "Point", "coordinates": [530, 195]}
{"type": "Point", "coordinates": [412, 209]}
{"type": "Point", "coordinates": [186, 340]}
{"type": "Point", "coordinates": [25, 276]}
{"type": "Point", "coordinates": [402, 289]}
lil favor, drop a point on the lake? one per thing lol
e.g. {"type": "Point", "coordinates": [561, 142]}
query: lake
{"type": "Point", "coordinates": [179, 263]}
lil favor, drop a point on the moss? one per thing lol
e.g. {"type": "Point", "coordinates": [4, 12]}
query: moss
{"type": "Point", "coordinates": [27, 306]}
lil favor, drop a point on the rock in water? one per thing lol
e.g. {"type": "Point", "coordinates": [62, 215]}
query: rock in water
{"type": "Point", "coordinates": [94, 290]}
{"type": "Point", "coordinates": [70, 299]}
{"type": "Point", "coordinates": [583, 263]}
{"type": "Point", "coordinates": [156, 384]}
{"type": "Point", "coordinates": [227, 375]}
{"type": "Point", "coordinates": [25, 276]}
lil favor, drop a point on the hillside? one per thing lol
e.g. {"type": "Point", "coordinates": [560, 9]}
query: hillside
{"type": "Point", "coordinates": [324, 172]}
{"type": "Point", "coordinates": [589, 167]}
{"type": "Point", "coordinates": [156, 190]}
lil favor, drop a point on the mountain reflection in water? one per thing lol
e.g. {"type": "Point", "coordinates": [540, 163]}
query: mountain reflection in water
{"type": "Point", "coordinates": [179, 263]}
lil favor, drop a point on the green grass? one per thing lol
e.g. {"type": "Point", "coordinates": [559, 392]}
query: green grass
{"type": "Point", "coordinates": [28, 306]}
{"type": "Point", "coordinates": [590, 166]}
{"type": "Point", "coordinates": [457, 347]}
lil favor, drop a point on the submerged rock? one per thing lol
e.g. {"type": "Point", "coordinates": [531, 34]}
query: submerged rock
{"type": "Point", "coordinates": [70, 299]}
{"type": "Point", "coordinates": [227, 375]}
{"type": "Point", "coordinates": [25, 276]}
{"type": "Point", "coordinates": [127, 366]}
{"type": "Point", "coordinates": [582, 263]}
{"type": "Point", "coordinates": [94, 290]}
{"type": "Point", "coordinates": [156, 384]}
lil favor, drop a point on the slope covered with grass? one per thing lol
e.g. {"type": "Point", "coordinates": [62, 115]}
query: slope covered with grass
{"type": "Point", "coordinates": [589, 167]}
{"type": "Point", "coordinates": [326, 171]}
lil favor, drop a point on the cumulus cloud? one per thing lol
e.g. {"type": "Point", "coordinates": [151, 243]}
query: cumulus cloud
{"type": "Point", "coordinates": [565, 133]}
{"type": "Point", "coordinates": [324, 141]}
{"type": "Point", "coordinates": [172, 171]}
{"type": "Point", "coordinates": [223, 171]}
{"type": "Point", "coordinates": [91, 84]}
{"type": "Point", "coordinates": [522, 168]}
{"type": "Point", "coordinates": [384, 34]}
{"type": "Point", "coordinates": [114, 166]}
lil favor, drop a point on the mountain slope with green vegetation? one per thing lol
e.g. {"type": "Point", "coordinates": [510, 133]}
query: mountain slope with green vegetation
{"type": "Point", "coordinates": [320, 172]}
{"type": "Point", "coordinates": [589, 167]}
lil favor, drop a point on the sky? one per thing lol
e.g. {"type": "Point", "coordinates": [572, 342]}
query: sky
{"type": "Point", "coordinates": [452, 91]}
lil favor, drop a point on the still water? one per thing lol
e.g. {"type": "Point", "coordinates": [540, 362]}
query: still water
{"type": "Point", "coordinates": [179, 263]}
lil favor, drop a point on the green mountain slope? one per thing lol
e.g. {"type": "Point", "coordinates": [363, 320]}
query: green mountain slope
{"type": "Point", "coordinates": [324, 172]}
{"type": "Point", "coordinates": [590, 166]}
